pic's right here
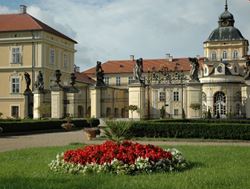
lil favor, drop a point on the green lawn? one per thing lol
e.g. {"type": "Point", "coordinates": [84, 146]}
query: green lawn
{"type": "Point", "coordinates": [215, 167]}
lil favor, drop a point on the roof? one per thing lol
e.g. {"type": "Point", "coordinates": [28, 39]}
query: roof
{"type": "Point", "coordinates": [126, 66]}
{"type": "Point", "coordinates": [26, 22]}
{"type": "Point", "coordinates": [81, 77]}
{"type": "Point", "coordinates": [226, 34]}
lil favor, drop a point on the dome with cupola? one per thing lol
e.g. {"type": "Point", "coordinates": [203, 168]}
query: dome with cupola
{"type": "Point", "coordinates": [226, 30]}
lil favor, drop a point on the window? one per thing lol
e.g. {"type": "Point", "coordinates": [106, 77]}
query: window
{"type": "Point", "coordinates": [130, 78]}
{"type": "Point", "coordinates": [15, 85]}
{"type": "Point", "coordinates": [176, 112]}
{"type": "Point", "coordinates": [106, 80]}
{"type": "Point", "coordinates": [16, 55]}
{"type": "Point", "coordinates": [65, 60]}
{"type": "Point", "coordinates": [213, 56]}
{"type": "Point", "coordinates": [118, 81]}
{"type": "Point", "coordinates": [176, 96]}
{"type": "Point", "coordinates": [15, 111]}
{"type": "Point", "coordinates": [235, 54]}
{"type": "Point", "coordinates": [52, 56]}
{"type": "Point", "coordinates": [219, 104]}
{"type": "Point", "coordinates": [162, 96]}
{"type": "Point", "coordinates": [224, 55]}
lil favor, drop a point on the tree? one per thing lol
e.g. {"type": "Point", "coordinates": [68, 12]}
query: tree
{"type": "Point", "coordinates": [132, 108]}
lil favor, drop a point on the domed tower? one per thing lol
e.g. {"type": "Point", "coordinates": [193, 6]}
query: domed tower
{"type": "Point", "coordinates": [222, 80]}
{"type": "Point", "coordinates": [226, 42]}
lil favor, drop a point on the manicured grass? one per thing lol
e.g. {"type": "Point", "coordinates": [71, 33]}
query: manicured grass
{"type": "Point", "coordinates": [214, 167]}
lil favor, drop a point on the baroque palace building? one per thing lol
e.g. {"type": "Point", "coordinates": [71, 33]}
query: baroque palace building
{"type": "Point", "coordinates": [29, 46]}
{"type": "Point", "coordinates": [216, 84]}
{"type": "Point", "coordinates": [40, 78]}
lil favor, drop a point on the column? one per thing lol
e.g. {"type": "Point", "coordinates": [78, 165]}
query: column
{"type": "Point", "coordinates": [95, 94]}
{"type": "Point", "coordinates": [194, 100]}
{"type": "Point", "coordinates": [57, 104]}
{"type": "Point", "coordinates": [137, 98]}
{"type": "Point", "coordinates": [38, 101]}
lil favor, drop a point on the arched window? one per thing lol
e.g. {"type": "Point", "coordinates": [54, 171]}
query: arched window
{"type": "Point", "coordinates": [224, 55]}
{"type": "Point", "coordinates": [235, 54]}
{"type": "Point", "coordinates": [213, 55]}
{"type": "Point", "coordinates": [219, 104]}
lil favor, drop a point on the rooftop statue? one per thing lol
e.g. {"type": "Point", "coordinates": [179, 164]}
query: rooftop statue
{"type": "Point", "coordinates": [28, 81]}
{"type": "Point", "coordinates": [138, 70]}
{"type": "Point", "coordinates": [39, 84]}
{"type": "Point", "coordinates": [99, 74]}
{"type": "Point", "coordinates": [194, 72]}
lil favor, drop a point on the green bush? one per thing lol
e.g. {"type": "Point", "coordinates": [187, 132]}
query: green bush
{"type": "Point", "coordinates": [42, 125]}
{"type": "Point", "coordinates": [191, 130]}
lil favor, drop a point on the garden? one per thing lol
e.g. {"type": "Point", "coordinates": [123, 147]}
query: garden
{"type": "Point", "coordinates": [120, 162]}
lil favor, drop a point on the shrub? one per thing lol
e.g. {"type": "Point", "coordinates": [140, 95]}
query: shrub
{"type": "Point", "coordinates": [191, 130]}
{"type": "Point", "coordinates": [40, 125]}
{"type": "Point", "coordinates": [117, 130]}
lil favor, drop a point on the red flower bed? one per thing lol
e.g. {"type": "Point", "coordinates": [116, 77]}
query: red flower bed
{"type": "Point", "coordinates": [127, 152]}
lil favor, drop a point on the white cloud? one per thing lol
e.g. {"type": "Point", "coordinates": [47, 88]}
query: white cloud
{"type": "Point", "coordinates": [114, 29]}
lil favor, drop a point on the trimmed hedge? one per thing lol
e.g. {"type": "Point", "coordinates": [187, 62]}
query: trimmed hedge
{"type": "Point", "coordinates": [191, 130]}
{"type": "Point", "coordinates": [40, 125]}
{"type": "Point", "coordinates": [243, 121]}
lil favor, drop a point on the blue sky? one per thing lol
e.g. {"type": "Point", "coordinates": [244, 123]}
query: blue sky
{"type": "Point", "coordinates": [114, 29]}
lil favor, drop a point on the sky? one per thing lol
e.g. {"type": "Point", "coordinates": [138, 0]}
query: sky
{"type": "Point", "coordinates": [115, 29]}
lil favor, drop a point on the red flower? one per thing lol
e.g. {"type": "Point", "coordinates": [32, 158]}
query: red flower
{"type": "Point", "coordinates": [126, 152]}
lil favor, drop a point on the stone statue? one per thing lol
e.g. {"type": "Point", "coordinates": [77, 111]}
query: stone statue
{"type": "Point", "coordinates": [247, 71]}
{"type": "Point", "coordinates": [39, 84]}
{"type": "Point", "coordinates": [73, 79]}
{"type": "Point", "coordinates": [58, 76]}
{"type": "Point", "coordinates": [99, 74]}
{"type": "Point", "coordinates": [194, 72]}
{"type": "Point", "coordinates": [138, 70]}
{"type": "Point", "coordinates": [28, 80]}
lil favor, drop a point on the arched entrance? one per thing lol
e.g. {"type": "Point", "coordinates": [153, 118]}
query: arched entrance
{"type": "Point", "coordinates": [220, 105]}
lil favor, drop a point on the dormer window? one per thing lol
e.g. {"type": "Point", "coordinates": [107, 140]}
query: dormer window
{"type": "Point", "coordinates": [235, 54]}
{"type": "Point", "coordinates": [224, 55]}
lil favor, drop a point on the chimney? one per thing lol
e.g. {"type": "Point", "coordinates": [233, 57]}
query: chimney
{"type": "Point", "coordinates": [23, 9]}
{"type": "Point", "coordinates": [169, 58]}
{"type": "Point", "coordinates": [132, 57]}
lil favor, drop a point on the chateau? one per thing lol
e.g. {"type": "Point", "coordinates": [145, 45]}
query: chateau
{"type": "Point", "coordinates": [216, 85]}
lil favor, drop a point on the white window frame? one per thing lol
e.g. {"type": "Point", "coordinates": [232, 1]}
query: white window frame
{"type": "Point", "coordinates": [213, 55]}
{"type": "Point", "coordinates": [11, 85]}
{"type": "Point", "coordinates": [65, 60]}
{"type": "Point", "coordinates": [224, 55]}
{"type": "Point", "coordinates": [235, 54]}
{"type": "Point", "coordinates": [176, 112]}
{"type": "Point", "coordinates": [118, 81]}
{"type": "Point", "coordinates": [130, 79]}
{"type": "Point", "coordinates": [176, 96]}
{"type": "Point", "coordinates": [16, 57]}
{"type": "Point", "coordinates": [162, 96]}
{"type": "Point", "coordinates": [52, 56]}
{"type": "Point", "coordinates": [15, 105]}
{"type": "Point", "coordinates": [106, 80]}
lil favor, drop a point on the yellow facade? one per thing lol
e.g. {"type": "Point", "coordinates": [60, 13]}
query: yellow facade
{"type": "Point", "coordinates": [34, 55]}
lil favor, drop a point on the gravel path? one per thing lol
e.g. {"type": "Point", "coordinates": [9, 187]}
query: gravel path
{"type": "Point", "coordinates": [8, 143]}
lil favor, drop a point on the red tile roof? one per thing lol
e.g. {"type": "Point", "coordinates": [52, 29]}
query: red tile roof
{"type": "Point", "coordinates": [81, 77]}
{"type": "Point", "coordinates": [26, 22]}
{"type": "Point", "coordinates": [126, 66]}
